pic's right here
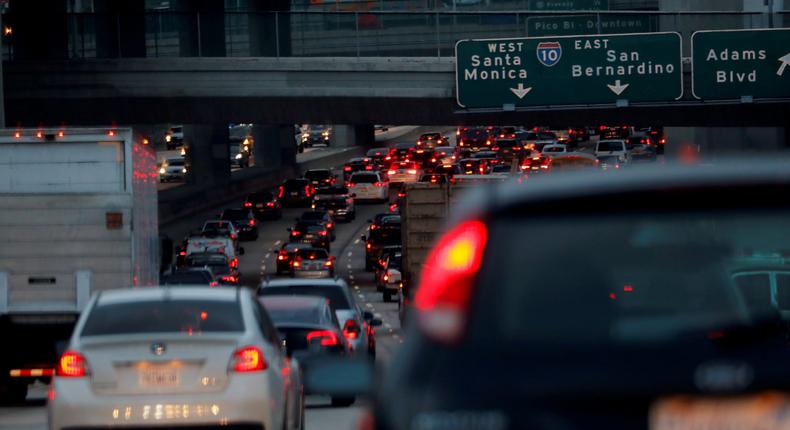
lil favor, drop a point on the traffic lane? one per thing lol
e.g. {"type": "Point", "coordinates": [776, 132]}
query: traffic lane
{"type": "Point", "coordinates": [31, 415]}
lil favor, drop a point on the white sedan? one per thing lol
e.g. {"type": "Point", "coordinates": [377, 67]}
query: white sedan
{"type": "Point", "coordinates": [405, 171]}
{"type": "Point", "coordinates": [175, 357]}
{"type": "Point", "coordinates": [369, 186]}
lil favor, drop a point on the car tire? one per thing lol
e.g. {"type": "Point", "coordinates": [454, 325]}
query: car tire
{"type": "Point", "coordinates": [12, 392]}
{"type": "Point", "coordinates": [342, 402]}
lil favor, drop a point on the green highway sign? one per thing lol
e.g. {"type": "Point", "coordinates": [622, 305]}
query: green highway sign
{"type": "Point", "coordinates": [732, 64]}
{"type": "Point", "coordinates": [568, 70]}
{"type": "Point", "coordinates": [589, 24]}
{"type": "Point", "coordinates": [568, 4]}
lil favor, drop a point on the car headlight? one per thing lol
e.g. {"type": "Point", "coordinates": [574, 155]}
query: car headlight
{"type": "Point", "coordinates": [184, 170]}
{"type": "Point", "coordinates": [168, 138]}
{"type": "Point", "coordinates": [238, 156]}
{"type": "Point", "coordinates": [162, 170]}
{"type": "Point", "coordinates": [325, 133]}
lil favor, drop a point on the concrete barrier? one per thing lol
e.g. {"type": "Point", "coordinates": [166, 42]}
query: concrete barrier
{"type": "Point", "coordinates": [180, 202]}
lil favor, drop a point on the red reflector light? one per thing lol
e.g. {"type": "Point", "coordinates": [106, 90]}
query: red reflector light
{"type": "Point", "coordinates": [324, 337]}
{"type": "Point", "coordinates": [446, 283]}
{"type": "Point", "coordinates": [72, 364]}
{"type": "Point", "coordinates": [248, 359]}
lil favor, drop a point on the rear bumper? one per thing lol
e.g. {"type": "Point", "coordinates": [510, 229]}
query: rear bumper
{"type": "Point", "coordinates": [247, 402]}
{"type": "Point", "coordinates": [312, 274]}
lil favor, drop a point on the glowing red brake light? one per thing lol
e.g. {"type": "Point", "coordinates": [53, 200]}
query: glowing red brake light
{"type": "Point", "coordinates": [234, 262]}
{"type": "Point", "coordinates": [347, 168]}
{"type": "Point", "coordinates": [446, 283]}
{"type": "Point", "coordinates": [252, 222]}
{"type": "Point", "coordinates": [72, 364]}
{"type": "Point", "coordinates": [392, 172]}
{"type": "Point", "coordinates": [322, 232]}
{"type": "Point", "coordinates": [324, 337]}
{"type": "Point", "coordinates": [351, 329]}
{"type": "Point", "coordinates": [247, 204]}
{"type": "Point", "coordinates": [328, 263]}
{"type": "Point", "coordinates": [249, 359]}
{"type": "Point", "coordinates": [269, 204]}
{"type": "Point", "coordinates": [281, 192]}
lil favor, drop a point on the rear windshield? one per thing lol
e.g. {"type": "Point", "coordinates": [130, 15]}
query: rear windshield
{"type": "Point", "coordinates": [260, 197]}
{"type": "Point", "coordinates": [333, 203]}
{"type": "Point", "coordinates": [313, 254]}
{"type": "Point", "coordinates": [335, 191]}
{"type": "Point", "coordinates": [164, 316]}
{"type": "Point", "coordinates": [207, 260]}
{"type": "Point", "coordinates": [317, 174]}
{"type": "Point", "coordinates": [654, 277]}
{"type": "Point", "coordinates": [610, 146]}
{"type": "Point", "coordinates": [175, 162]}
{"type": "Point", "coordinates": [187, 278]}
{"type": "Point", "coordinates": [335, 294]}
{"type": "Point", "coordinates": [313, 216]}
{"type": "Point", "coordinates": [474, 132]}
{"type": "Point", "coordinates": [364, 179]}
{"type": "Point", "coordinates": [234, 214]}
{"type": "Point", "coordinates": [386, 235]}
{"type": "Point", "coordinates": [295, 185]}
{"type": "Point", "coordinates": [380, 152]}
{"type": "Point", "coordinates": [293, 314]}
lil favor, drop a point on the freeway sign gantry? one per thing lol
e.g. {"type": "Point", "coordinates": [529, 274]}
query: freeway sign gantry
{"type": "Point", "coordinates": [568, 70]}
{"type": "Point", "coordinates": [735, 64]}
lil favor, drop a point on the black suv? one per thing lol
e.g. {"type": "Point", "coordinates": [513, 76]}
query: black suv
{"type": "Point", "coordinates": [244, 221]}
{"type": "Point", "coordinates": [296, 193]}
{"type": "Point", "coordinates": [315, 235]}
{"type": "Point", "coordinates": [318, 217]}
{"type": "Point", "coordinates": [384, 232]}
{"type": "Point", "coordinates": [264, 205]}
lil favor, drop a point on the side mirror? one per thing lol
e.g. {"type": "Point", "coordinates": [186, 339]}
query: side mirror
{"type": "Point", "coordinates": [363, 238]}
{"type": "Point", "coordinates": [375, 322]}
{"type": "Point", "coordinates": [367, 315]}
{"type": "Point", "coordinates": [241, 250]}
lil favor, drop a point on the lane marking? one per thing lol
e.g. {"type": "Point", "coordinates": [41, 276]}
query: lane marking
{"type": "Point", "coordinates": [263, 268]}
{"type": "Point", "coordinates": [356, 287]}
{"type": "Point", "coordinates": [361, 296]}
{"type": "Point", "coordinates": [277, 243]}
{"type": "Point", "coordinates": [349, 253]}
{"type": "Point", "coordinates": [356, 242]}
{"type": "Point", "coordinates": [388, 325]}
{"type": "Point", "coordinates": [370, 305]}
{"type": "Point", "coordinates": [348, 266]}
{"type": "Point", "coordinates": [267, 255]}
{"type": "Point", "coordinates": [377, 315]}
{"type": "Point", "coordinates": [392, 331]}
{"type": "Point", "coordinates": [351, 277]}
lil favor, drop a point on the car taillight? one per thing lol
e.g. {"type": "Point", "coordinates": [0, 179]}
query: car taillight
{"type": "Point", "coordinates": [488, 142]}
{"type": "Point", "coordinates": [252, 222]}
{"type": "Point", "coordinates": [230, 278]}
{"type": "Point", "coordinates": [294, 232]}
{"type": "Point", "coordinates": [412, 172]}
{"type": "Point", "coordinates": [347, 168]}
{"type": "Point", "coordinates": [213, 284]}
{"type": "Point", "coordinates": [328, 263]}
{"type": "Point", "coordinates": [283, 256]}
{"type": "Point", "coordinates": [247, 204]}
{"type": "Point", "coordinates": [307, 190]}
{"type": "Point", "coordinates": [269, 204]}
{"type": "Point", "coordinates": [72, 364]}
{"type": "Point", "coordinates": [281, 192]}
{"type": "Point", "coordinates": [461, 143]}
{"type": "Point", "coordinates": [182, 253]}
{"type": "Point", "coordinates": [322, 232]}
{"type": "Point", "coordinates": [386, 277]}
{"type": "Point", "coordinates": [391, 172]}
{"type": "Point", "coordinates": [234, 262]}
{"type": "Point", "coordinates": [249, 359]}
{"type": "Point", "coordinates": [351, 329]}
{"type": "Point", "coordinates": [379, 184]}
{"type": "Point", "coordinates": [329, 225]}
{"type": "Point", "coordinates": [351, 184]}
{"type": "Point", "coordinates": [446, 282]}
{"type": "Point", "coordinates": [368, 167]}
{"type": "Point", "coordinates": [368, 245]}
{"type": "Point", "coordinates": [324, 337]}
{"type": "Point", "coordinates": [297, 262]}
{"type": "Point", "coordinates": [495, 148]}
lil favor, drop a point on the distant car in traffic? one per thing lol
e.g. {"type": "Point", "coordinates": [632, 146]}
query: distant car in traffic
{"type": "Point", "coordinates": [431, 140]}
{"type": "Point", "coordinates": [357, 325]}
{"type": "Point", "coordinates": [191, 276]}
{"type": "Point", "coordinates": [320, 177]}
{"type": "Point", "coordinates": [369, 186]}
{"type": "Point", "coordinates": [286, 255]}
{"type": "Point", "coordinates": [616, 148]}
{"type": "Point", "coordinates": [264, 205]}
{"type": "Point", "coordinates": [296, 193]}
{"type": "Point", "coordinates": [318, 217]}
{"type": "Point", "coordinates": [473, 138]}
{"type": "Point", "coordinates": [224, 269]}
{"type": "Point", "coordinates": [337, 201]}
{"type": "Point", "coordinates": [243, 220]}
{"type": "Point", "coordinates": [310, 331]}
{"type": "Point", "coordinates": [385, 232]}
{"type": "Point", "coordinates": [312, 234]}
{"type": "Point", "coordinates": [172, 169]}
{"type": "Point", "coordinates": [357, 164]}
{"type": "Point", "coordinates": [404, 172]}
{"type": "Point", "coordinates": [183, 357]}
{"type": "Point", "coordinates": [312, 263]}
{"type": "Point", "coordinates": [555, 148]}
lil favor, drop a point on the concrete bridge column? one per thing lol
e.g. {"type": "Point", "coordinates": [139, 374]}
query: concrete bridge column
{"type": "Point", "coordinates": [275, 146]}
{"type": "Point", "coordinates": [208, 154]}
{"type": "Point", "coordinates": [353, 135]}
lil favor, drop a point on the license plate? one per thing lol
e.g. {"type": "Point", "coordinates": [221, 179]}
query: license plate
{"type": "Point", "coordinates": [159, 376]}
{"type": "Point", "coordinates": [259, 205]}
{"type": "Point", "coordinates": [308, 236]}
{"type": "Point", "coordinates": [294, 194]}
{"type": "Point", "coordinates": [769, 410]}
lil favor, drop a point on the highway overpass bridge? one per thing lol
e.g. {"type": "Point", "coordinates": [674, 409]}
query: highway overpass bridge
{"type": "Point", "coordinates": [334, 90]}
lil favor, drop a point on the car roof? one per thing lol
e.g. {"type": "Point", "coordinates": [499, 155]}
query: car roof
{"type": "Point", "coordinates": [328, 282]}
{"type": "Point", "coordinates": [290, 301]}
{"type": "Point", "coordinates": [575, 184]}
{"type": "Point", "coordinates": [167, 293]}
